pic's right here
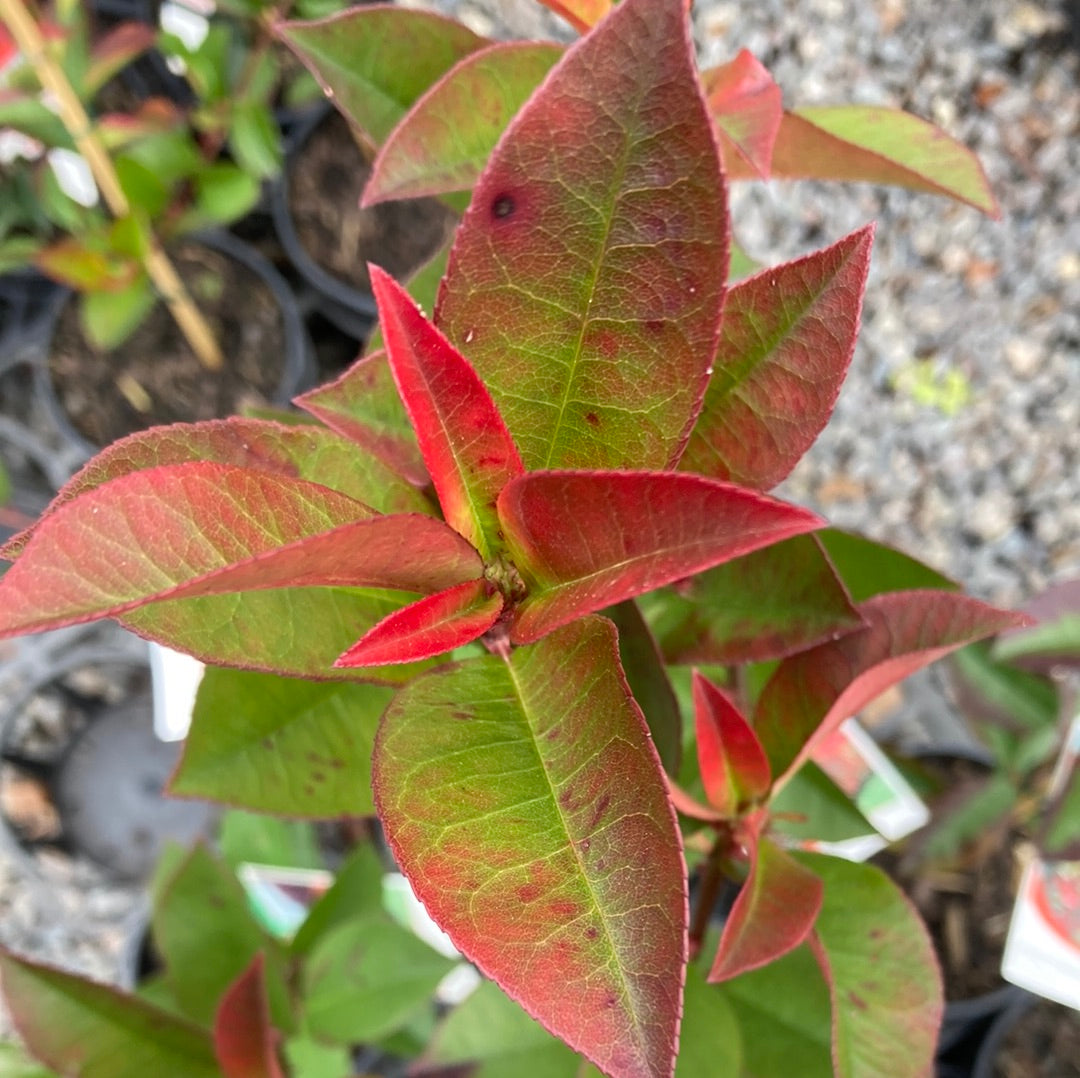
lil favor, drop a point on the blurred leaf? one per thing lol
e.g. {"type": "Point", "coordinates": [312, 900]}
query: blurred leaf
{"type": "Point", "coordinates": [990, 691]}
{"type": "Point", "coordinates": [256, 140]}
{"type": "Point", "coordinates": [868, 568]}
{"type": "Point", "coordinates": [144, 188]}
{"type": "Point", "coordinates": [244, 1038]}
{"type": "Point", "coordinates": [1060, 837]}
{"type": "Point", "coordinates": [84, 268]}
{"type": "Point", "coordinates": [366, 978]}
{"type": "Point", "coordinates": [113, 51]}
{"type": "Point", "coordinates": [1055, 640]}
{"type": "Point", "coordinates": [812, 806]}
{"type": "Point", "coordinates": [746, 106]}
{"type": "Point", "coordinates": [88, 1029]}
{"type": "Point", "coordinates": [5, 485]}
{"type": "Point", "coordinates": [268, 840]}
{"type": "Point", "coordinates": [223, 194]}
{"type": "Point", "coordinates": [26, 113]}
{"type": "Point", "coordinates": [109, 318]}
{"type": "Point", "coordinates": [16, 1063]}
{"type": "Point", "coordinates": [969, 819]}
{"type": "Point", "coordinates": [309, 1058]}
{"type": "Point", "coordinates": [710, 1043]}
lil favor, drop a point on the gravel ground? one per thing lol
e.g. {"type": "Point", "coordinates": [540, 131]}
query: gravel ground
{"type": "Point", "coordinates": [959, 308]}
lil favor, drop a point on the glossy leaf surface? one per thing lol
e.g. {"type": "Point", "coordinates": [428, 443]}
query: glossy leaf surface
{"type": "Point", "coordinates": [733, 766]}
{"type": "Point", "coordinates": [467, 449]}
{"type": "Point", "coordinates": [586, 540]}
{"type": "Point", "coordinates": [868, 568]}
{"type": "Point", "coordinates": [244, 1039]}
{"type": "Point", "coordinates": [883, 977]}
{"type": "Point", "coordinates": [592, 313]}
{"type": "Point", "coordinates": [747, 106]}
{"type": "Point", "coordinates": [78, 1027]}
{"type": "Point", "coordinates": [785, 346]}
{"type": "Point", "coordinates": [185, 530]}
{"type": "Point", "coordinates": [445, 140]}
{"type": "Point", "coordinates": [363, 405]}
{"type": "Point", "coordinates": [375, 62]}
{"type": "Point", "coordinates": [643, 666]}
{"type": "Point", "coordinates": [429, 627]}
{"type": "Point", "coordinates": [876, 145]}
{"type": "Point", "coordinates": [813, 692]}
{"type": "Point", "coordinates": [301, 452]}
{"type": "Point", "coordinates": [763, 605]}
{"type": "Point", "coordinates": [273, 744]}
{"type": "Point", "coordinates": [368, 977]}
{"type": "Point", "coordinates": [532, 787]}
{"type": "Point", "coordinates": [773, 914]}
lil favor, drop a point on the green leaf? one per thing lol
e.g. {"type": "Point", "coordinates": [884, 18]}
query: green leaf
{"type": "Point", "coordinates": [868, 568]}
{"type": "Point", "coordinates": [767, 604]}
{"type": "Point", "coordinates": [255, 139]}
{"type": "Point", "coordinates": [298, 748]}
{"type": "Point", "coordinates": [782, 1012]}
{"type": "Point", "coordinates": [884, 980]}
{"type": "Point", "coordinates": [207, 937]}
{"type": "Point", "coordinates": [786, 342]}
{"type": "Point", "coordinates": [145, 189]}
{"type": "Point", "coordinates": [1055, 640]}
{"type": "Point", "coordinates": [446, 138]}
{"type": "Point", "coordinates": [994, 692]}
{"type": "Point", "coordinates": [645, 674]}
{"type": "Point", "coordinates": [593, 318]}
{"type": "Point", "coordinates": [309, 1058]}
{"type": "Point", "coordinates": [710, 1044]}
{"type": "Point", "coordinates": [1060, 837]}
{"type": "Point", "coordinates": [224, 193]}
{"type": "Point", "coordinates": [18, 252]}
{"type": "Point", "coordinates": [5, 485]}
{"type": "Point", "coordinates": [109, 318]}
{"type": "Point", "coordinates": [366, 978]}
{"type": "Point", "coordinates": [532, 786]}
{"type": "Point", "coordinates": [376, 62]}
{"type": "Point", "coordinates": [491, 1030]}
{"type": "Point", "coordinates": [876, 145]}
{"type": "Point", "coordinates": [267, 840]}
{"type": "Point", "coordinates": [811, 806]}
{"type": "Point", "coordinates": [355, 892]}
{"type": "Point", "coordinates": [973, 816]}
{"type": "Point", "coordinates": [15, 1063]}
{"type": "Point", "coordinates": [113, 52]}
{"type": "Point", "coordinates": [26, 113]}
{"type": "Point", "coordinates": [78, 1027]}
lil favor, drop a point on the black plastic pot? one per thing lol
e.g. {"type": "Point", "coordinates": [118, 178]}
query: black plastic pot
{"type": "Point", "coordinates": [969, 1033]}
{"type": "Point", "coordinates": [1017, 1002]}
{"type": "Point", "coordinates": [298, 364]}
{"type": "Point", "coordinates": [98, 764]}
{"type": "Point", "coordinates": [352, 311]}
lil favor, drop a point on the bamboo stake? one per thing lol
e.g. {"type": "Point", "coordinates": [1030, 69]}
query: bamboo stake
{"type": "Point", "coordinates": [158, 267]}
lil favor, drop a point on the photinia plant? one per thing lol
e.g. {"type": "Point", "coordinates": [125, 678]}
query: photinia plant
{"type": "Point", "coordinates": [432, 594]}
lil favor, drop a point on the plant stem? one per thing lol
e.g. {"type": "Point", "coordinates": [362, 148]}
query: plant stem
{"type": "Point", "coordinates": [158, 267]}
{"type": "Point", "coordinates": [711, 880]}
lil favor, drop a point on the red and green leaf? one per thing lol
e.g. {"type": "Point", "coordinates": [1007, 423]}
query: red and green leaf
{"type": "Point", "coordinates": [363, 405]}
{"type": "Point", "coordinates": [244, 1039]}
{"type": "Point", "coordinates": [465, 444]}
{"type": "Point", "coordinates": [774, 912]}
{"type": "Point", "coordinates": [785, 346]}
{"type": "Point", "coordinates": [812, 692]}
{"type": "Point", "coordinates": [284, 745]}
{"type": "Point", "coordinates": [876, 145]}
{"type": "Point", "coordinates": [301, 452]}
{"type": "Point", "coordinates": [374, 62]}
{"type": "Point", "coordinates": [746, 106]}
{"type": "Point", "coordinates": [446, 138]}
{"type": "Point", "coordinates": [545, 803]}
{"type": "Point", "coordinates": [884, 980]}
{"type": "Point", "coordinates": [429, 627]}
{"type": "Point", "coordinates": [113, 52]}
{"type": "Point", "coordinates": [764, 605]}
{"type": "Point", "coordinates": [586, 540]}
{"type": "Point", "coordinates": [78, 1027]}
{"type": "Point", "coordinates": [191, 530]}
{"type": "Point", "coordinates": [733, 766]}
{"type": "Point", "coordinates": [593, 318]}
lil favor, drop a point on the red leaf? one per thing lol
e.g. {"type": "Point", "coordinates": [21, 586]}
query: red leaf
{"type": "Point", "coordinates": [302, 452]}
{"type": "Point", "coordinates": [582, 15]}
{"type": "Point", "coordinates": [429, 627]}
{"type": "Point", "coordinates": [244, 1039]}
{"type": "Point", "coordinates": [733, 764]}
{"type": "Point", "coordinates": [592, 319]}
{"type": "Point", "coordinates": [785, 346]}
{"type": "Point", "coordinates": [196, 529]}
{"type": "Point", "coordinates": [446, 138]}
{"type": "Point", "coordinates": [811, 693]}
{"type": "Point", "coordinates": [747, 107]}
{"type": "Point", "coordinates": [466, 446]}
{"type": "Point", "coordinates": [586, 540]}
{"type": "Point", "coordinates": [565, 885]}
{"type": "Point", "coordinates": [774, 912]}
{"type": "Point", "coordinates": [876, 145]}
{"type": "Point", "coordinates": [114, 51]}
{"type": "Point", "coordinates": [363, 405]}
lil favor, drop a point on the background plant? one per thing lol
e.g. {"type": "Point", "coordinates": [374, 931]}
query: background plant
{"type": "Point", "coordinates": [606, 436]}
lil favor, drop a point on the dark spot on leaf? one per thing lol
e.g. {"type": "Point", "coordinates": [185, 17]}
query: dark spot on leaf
{"type": "Point", "coordinates": [309, 791]}
{"type": "Point", "coordinates": [612, 1000]}
{"type": "Point", "coordinates": [592, 419]}
{"type": "Point", "coordinates": [502, 206]}
{"type": "Point", "coordinates": [876, 933]}
{"type": "Point", "coordinates": [461, 714]}
{"type": "Point", "coordinates": [337, 765]}
{"type": "Point", "coordinates": [318, 776]}
{"type": "Point", "coordinates": [563, 909]}
{"type": "Point", "coordinates": [856, 1000]}
{"type": "Point", "coordinates": [565, 798]}
{"type": "Point", "coordinates": [655, 325]}
{"type": "Point", "coordinates": [592, 932]}
{"type": "Point", "coordinates": [215, 900]}
{"type": "Point", "coordinates": [598, 812]}
{"type": "Point", "coordinates": [528, 892]}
